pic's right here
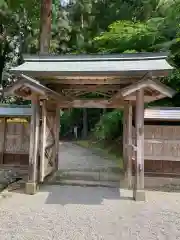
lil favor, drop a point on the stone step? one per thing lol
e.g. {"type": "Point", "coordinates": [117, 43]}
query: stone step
{"type": "Point", "coordinates": [95, 169]}
{"type": "Point", "coordinates": [87, 176]}
{"type": "Point", "coordinates": [84, 183]}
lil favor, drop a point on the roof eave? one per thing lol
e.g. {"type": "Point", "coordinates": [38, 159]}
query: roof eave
{"type": "Point", "coordinates": [156, 73]}
{"type": "Point", "coordinates": [158, 86]}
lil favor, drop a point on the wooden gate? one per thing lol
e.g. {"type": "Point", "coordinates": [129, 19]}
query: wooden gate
{"type": "Point", "coordinates": [49, 140]}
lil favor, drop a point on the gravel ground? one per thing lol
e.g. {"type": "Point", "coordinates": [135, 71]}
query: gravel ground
{"type": "Point", "coordinates": [72, 156]}
{"type": "Point", "coordinates": [70, 213]}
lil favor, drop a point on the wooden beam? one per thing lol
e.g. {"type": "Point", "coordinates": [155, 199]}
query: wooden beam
{"type": "Point", "coordinates": [97, 80]}
{"type": "Point", "coordinates": [162, 88]}
{"type": "Point", "coordinates": [139, 194]}
{"type": "Point", "coordinates": [155, 85]}
{"type": "Point", "coordinates": [41, 89]}
{"type": "Point", "coordinates": [118, 95]}
{"type": "Point", "coordinates": [91, 103]}
{"type": "Point", "coordinates": [146, 98]}
{"type": "Point", "coordinates": [85, 87]}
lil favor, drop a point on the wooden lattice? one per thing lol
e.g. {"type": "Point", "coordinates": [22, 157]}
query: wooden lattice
{"type": "Point", "coordinates": [47, 141]}
{"type": "Point", "coordinates": [50, 140]}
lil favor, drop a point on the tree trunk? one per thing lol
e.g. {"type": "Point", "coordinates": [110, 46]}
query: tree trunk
{"type": "Point", "coordinates": [85, 124]}
{"type": "Point", "coordinates": [45, 26]}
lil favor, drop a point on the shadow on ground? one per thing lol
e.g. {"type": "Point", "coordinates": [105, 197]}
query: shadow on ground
{"type": "Point", "coordinates": [82, 195]}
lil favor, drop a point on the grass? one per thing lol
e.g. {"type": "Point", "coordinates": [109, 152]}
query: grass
{"type": "Point", "coordinates": [110, 151]}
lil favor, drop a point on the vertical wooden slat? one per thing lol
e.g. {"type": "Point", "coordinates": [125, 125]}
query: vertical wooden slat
{"type": "Point", "coordinates": [129, 150]}
{"type": "Point", "coordinates": [3, 138]}
{"type": "Point", "coordinates": [139, 194]}
{"type": "Point", "coordinates": [43, 141]}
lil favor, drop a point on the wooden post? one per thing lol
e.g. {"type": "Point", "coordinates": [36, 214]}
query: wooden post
{"type": "Point", "coordinates": [31, 185]}
{"type": "Point", "coordinates": [3, 138]}
{"type": "Point", "coordinates": [129, 146]}
{"type": "Point", "coordinates": [139, 194]}
{"type": "Point", "coordinates": [43, 140]}
{"type": "Point", "coordinates": [57, 137]}
{"type": "Point", "coordinates": [125, 118]}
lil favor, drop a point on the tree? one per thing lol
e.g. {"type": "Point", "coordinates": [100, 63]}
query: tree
{"type": "Point", "coordinates": [17, 25]}
{"type": "Point", "coordinates": [123, 36]}
{"type": "Point", "coordinates": [45, 26]}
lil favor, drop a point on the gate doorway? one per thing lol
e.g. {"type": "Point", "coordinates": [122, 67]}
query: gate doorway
{"type": "Point", "coordinates": [125, 81]}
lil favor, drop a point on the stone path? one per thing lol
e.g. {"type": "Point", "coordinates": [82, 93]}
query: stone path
{"type": "Point", "coordinates": [82, 166]}
{"type": "Point", "coordinates": [74, 157]}
{"type": "Point", "coordinates": [79, 213]}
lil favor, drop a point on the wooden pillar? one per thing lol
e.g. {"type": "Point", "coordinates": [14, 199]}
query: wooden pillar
{"type": "Point", "coordinates": [129, 145]}
{"type": "Point", "coordinates": [43, 140]}
{"type": "Point", "coordinates": [125, 118]}
{"type": "Point", "coordinates": [3, 138]}
{"type": "Point", "coordinates": [57, 137]}
{"type": "Point", "coordinates": [139, 194]}
{"type": "Point", "coordinates": [31, 185]}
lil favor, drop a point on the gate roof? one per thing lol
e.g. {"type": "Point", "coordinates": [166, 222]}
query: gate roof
{"type": "Point", "coordinates": [114, 78]}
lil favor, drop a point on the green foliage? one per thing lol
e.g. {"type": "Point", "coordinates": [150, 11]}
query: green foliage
{"type": "Point", "coordinates": [109, 127]}
{"type": "Point", "coordinates": [69, 118]}
{"type": "Point", "coordinates": [126, 35]}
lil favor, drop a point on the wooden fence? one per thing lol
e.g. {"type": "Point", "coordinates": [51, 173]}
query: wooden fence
{"type": "Point", "coordinates": [14, 141]}
{"type": "Point", "coordinates": [161, 149]}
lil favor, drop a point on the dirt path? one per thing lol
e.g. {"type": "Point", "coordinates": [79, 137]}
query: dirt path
{"type": "Point", "coordinates": [72, 156]}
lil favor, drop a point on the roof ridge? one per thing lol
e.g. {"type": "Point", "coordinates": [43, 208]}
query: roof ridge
{"type": "Point", "coordinates": [96, 57]}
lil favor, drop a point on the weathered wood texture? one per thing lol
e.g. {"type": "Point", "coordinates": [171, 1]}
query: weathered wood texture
{"type": "Point", "coordinates": [34, 140]}
{"type": "Point", "coordinates": [160, 168]}
{"type": "Point", "coordinates": [49, 128]}
{"type": "Point", "coordinates": [14, 141]}
{"type": "Point", "coordinates": [161, 142]}
{"type": "Point", "coordinates": [57, 131]}
{"type": "Point", "coordinates": [129, 146]}
{"type": "Point", "coordinates": [161, 149]}
{"type": "Point", "coordinates": [139, 133]}
{"type": "Point", "coordinates": [125, 137]}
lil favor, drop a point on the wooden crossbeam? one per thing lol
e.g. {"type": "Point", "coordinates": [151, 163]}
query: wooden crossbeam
{"type": "Point", "coordinates": [118, 95]}
{"type": "Point", "coordinates": [92, 103]}
{"type": "Point", "coordinates": [146, 98]}
{"type": "Point", "coordinates": [86, 87]}
{"type": "Point", "coordinates": [87, 81]}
